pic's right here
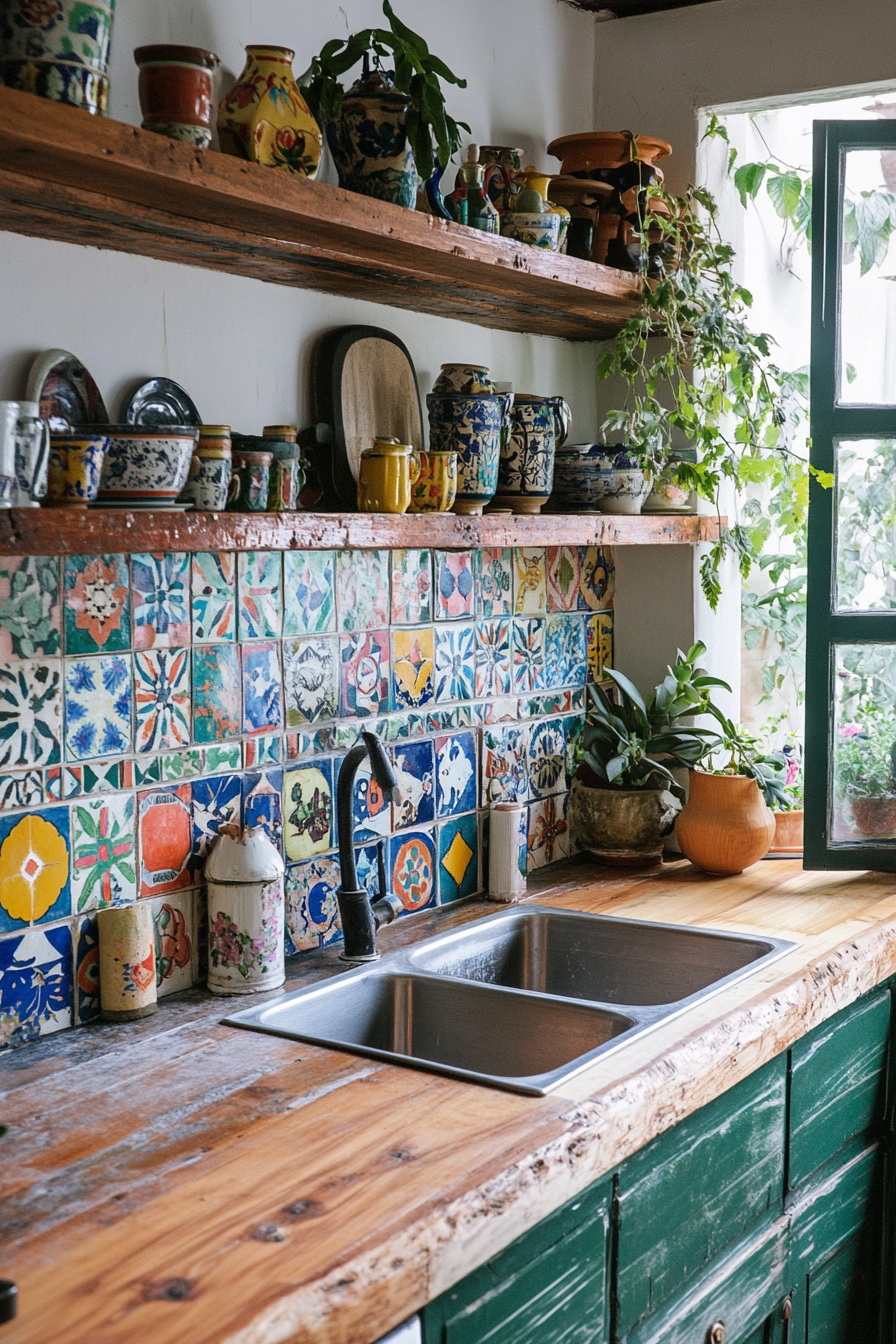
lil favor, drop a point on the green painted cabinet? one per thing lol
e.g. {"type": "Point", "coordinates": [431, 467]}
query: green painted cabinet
{"type": "Point", "coordinates": [761, 1217]}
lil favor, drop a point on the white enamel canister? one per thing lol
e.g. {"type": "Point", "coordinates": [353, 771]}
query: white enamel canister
{"type": "Point", "coordinates": [244, 874]}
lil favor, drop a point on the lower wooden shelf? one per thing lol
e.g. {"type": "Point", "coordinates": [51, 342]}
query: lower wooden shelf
{"type": "Point", "coordinates": [88, 532]}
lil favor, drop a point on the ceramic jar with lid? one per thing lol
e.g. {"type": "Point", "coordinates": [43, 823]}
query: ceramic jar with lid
{"type": "Point", "coordinates": [175, 88]}
{"type": "Point", "coordinates": [244, 875]}
{"type": "Point", "coordinates": [369, 141]}
{"type": "Point", "coordinates": [387, 472]}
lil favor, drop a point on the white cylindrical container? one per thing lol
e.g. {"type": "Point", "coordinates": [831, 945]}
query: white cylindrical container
{"type": "Point", "coordinates": [506, 852]}
{"type": "Point", "coordinates": [244, 874]}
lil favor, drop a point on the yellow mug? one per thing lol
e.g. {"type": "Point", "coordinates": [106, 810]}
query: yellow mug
{"type": "Point", "coordinates": [435, 488]}
{"type": "Point", "coordinates": [387, 472]}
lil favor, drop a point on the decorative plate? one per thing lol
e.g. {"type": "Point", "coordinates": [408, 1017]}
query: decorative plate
{"type": "Point", "coordinates": [161, 402]}
{"type": "Point", "coordinates": [67, 394]}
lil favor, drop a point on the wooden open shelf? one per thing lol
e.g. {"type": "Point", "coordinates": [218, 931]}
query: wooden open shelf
{"type": "Point", "coordinates": [77, 178]}
{"type": "Point", "coordinates": [95, 532]}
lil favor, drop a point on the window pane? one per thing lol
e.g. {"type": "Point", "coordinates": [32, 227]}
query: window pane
{"type": "Point", "coordinates": [864, 749]}
{"type": "Point", "coordinates": [867, 290]}
{"type": "Point", "coordinates": [866, 525]}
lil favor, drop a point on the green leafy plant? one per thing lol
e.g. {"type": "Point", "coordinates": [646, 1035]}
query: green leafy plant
{"type": "Point", "coordinates": [634, 743]}
{"type": "Point", "coordinates": [865, 754]}
{"type": "Point", "coordinates": [433, 135]}
{"type": "Point", "coordinates": [746, 756]}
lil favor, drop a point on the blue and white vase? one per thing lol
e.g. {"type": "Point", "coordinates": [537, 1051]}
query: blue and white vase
{"type": "Point", "coordinates": [538, 426]}
{"type": "Point", "coordinates": [369, 142]}
{"type": "Point", "coordinates": [475, 428]}
{"type": "Point", "coordinates": [58, 49]}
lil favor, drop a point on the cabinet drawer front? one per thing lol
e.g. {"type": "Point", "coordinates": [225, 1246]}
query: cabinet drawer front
{"type": "Point", "coordinates": [698, 1188]}
{"type": "Point", "coordinates": [838, 1083]}
{"type": "Point", "coordinates": [548, 1287]}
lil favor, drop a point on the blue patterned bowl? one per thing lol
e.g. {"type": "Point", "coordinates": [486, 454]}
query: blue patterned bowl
{"type": "Point", "coordinates": [146, 465]}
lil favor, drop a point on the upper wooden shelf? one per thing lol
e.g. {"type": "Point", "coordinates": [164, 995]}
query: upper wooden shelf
{"type": "Point", "coordinates": [96, 532]}
{"type": "Point", "coordinates": [77, 178]}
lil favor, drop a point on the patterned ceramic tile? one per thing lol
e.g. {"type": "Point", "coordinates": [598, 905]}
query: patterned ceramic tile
{"type": "Point", "coordinates": [309, 826]}
{"type": "Point", "coordinates": [104, 859]}
{"type": "Point", "coordinates": [97, 706]}
{"type": "Point", "coordinates": [310, 680]}
{"type": "Point", "coordinates": [165, 838]}
{"type": "Point", "coordinates": [412, 857]}
{"type": "Point", "coordinates": [34, 868]}
{"type": "Point", "coordinates": [564, 571]}
{"type": "Point", "coordinates": [455, 590]}
{"type": "Point", "coordinates": [35, 984]}
{"type": "Point", "coordinates": [494, 582]}
{"type": "Point", "coordinates": [362, 589]}
{"type": "Point", "coordinates": [530, 592]}
{"type": "Point", "coordinates": [213, 591]}
{"type": "Point", "coordinates": [149, 771]}
{"type": "Point", "coordinates": [226, 757]}
{"type": "Point", "coordinates": [178, 765]}
{"type": "Point", "coordinates": [263, 750]}
{"type": "Point", "coordinates": [30, 713]}
{"type": "Point", "coordinates": [260, 595]}
{"type": "Point", "coordinates": [414, 800]}
{"type": "Point", "coordinates": [549, 838]}
{"type": "Point", "coordinates": [411, 587]}
{"type": "Point", "coordinates": [367, 864]}
{"type": "Point", "coordinates": [97, 604]}
{"type": "Point", "coordinates": [503, 709]}
{"type": "Point", "coordinates": [597, 583]}
{"type": "Point", "coordinates": [455, 662]}
{"type": "Point", "coordinates": [528, 655]}
{"type": "Point", "coordinates": [364, 674]}
{"type": "Point", "coordinates": [493, 669]}
{"type": "Point", "coordinates": [215, 801]}
{"type": "Point", "coordinates": [161, 699]}
{"type": "Point", "coordinates": [25, 790]}
{"type": "Point", "coordinates": [262, 698]}
{"type": "Point", "coordinates": [177, 951]}
{"type": "Point", "coordinates": [160, 587]}
{"type": "Point", "coordinates": [371, 809]}
{"type": "Point", "coordinates": [572, 727]}
{"type": "Point", "coordinates": [87, 971]}
{"type": "Point", "coordinates": [564, 653]}
{"type": "Point", "coordinates": [456, 775]}
{"type": "Point", "coordinates": [458, 859]}
{"type": "Point", "coordinates": [547, 758]}
{"type": "Point", "coordinates": [262, 803]}
{"type": "Point", "coordinates": [216, 692]}
{"type": "Point", "coordinates": [413, 653]}
{"type": "Point", "coordinates": [312, 915]}
{"type": "Point", "coordinates": [599, 635]}
{"type": "Point", "coordinates": [504, 764]}
{"type": "Point", "coordinates": [107, 776]}
{"type": "Point", "coordinates": [29, 607]}
{"type": "Point", "coordinates": [309, 592]}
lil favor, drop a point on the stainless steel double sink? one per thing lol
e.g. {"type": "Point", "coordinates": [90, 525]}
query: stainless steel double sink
{"type": "Point", "coordinates": [521, 999]}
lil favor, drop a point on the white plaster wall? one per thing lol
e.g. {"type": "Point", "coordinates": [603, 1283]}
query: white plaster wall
{"type": "Point", "coordinates": [241, 347]}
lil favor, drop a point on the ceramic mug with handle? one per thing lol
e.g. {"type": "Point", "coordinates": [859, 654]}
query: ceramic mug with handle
{"type": "Point", "coordinates": [9, 420]}
{"type": "Point", "coordinates": [32, 455]}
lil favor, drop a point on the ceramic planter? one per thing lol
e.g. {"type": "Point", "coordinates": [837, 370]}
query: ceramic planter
{"type": "Point", "coordinates": [369, 142]}
{"type": "Point", "coordinates": [264, 117]}
{"type": "Point", "coordinates": [474, 427]}
{"type": "Point", "coordinates": [146, 465]}
{"type": "Point", "coordinates": [244, 876]}
{"type": "Point", "coordinates": [725, 825]}
{"type": "Point", "coordinates": [626, 827]}
{"type": "Point", "coordinates": [58, 49]}
{"type": "Point", "coordinates": [74, 469]}
{"type": "Point", "coordinates": [526, 470]}
{"type": "Point", "coordinates": [175, 88]}
{"type": "Point", "coordinates": [788, 833]}
{"type": "Point", "coordinates": [470, 379]}
{"type": "Point", "coordinates": [625, 490]}
{"type": "Point", "coordinates": [590, 151]}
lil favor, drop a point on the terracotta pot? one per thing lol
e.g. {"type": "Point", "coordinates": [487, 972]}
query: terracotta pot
{"type": "Point", "coordinates": [175, 88]}
{"type": "Point", "coordinates": [788, 833]}
{"type": "Point", "coordinates": [626, 827]}
{"type": "Point", "coordinates": [725, 825]}
{"type": "Point", "coordinates": [589, 150]}
{"type": "Point", "coordinates": [873, 818]}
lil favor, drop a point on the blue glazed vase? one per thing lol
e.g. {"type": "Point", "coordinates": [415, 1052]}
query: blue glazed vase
{"type": "Point", "coordinates": [538, 426]}
{"type": "Point", "coordinates": [369, 142]}
{"type": "Point", "coordinates": [474, 427]}
{"type": "Point", "coordinates": [58, 49]}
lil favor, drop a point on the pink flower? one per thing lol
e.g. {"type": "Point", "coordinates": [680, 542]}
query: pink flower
{"type": "Point", "coordinates": [850, 730]}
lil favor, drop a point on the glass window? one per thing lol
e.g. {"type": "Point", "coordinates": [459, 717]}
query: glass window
{"type": "Point", "coordinates": [867, 358]}
{"type": "Point", "coordinates": [863, 806]}
{"type": "Point", "coordinates": [866, 525]}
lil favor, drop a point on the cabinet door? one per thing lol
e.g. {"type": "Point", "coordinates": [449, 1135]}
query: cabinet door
{"type": "Point", "coordinates": [548, 1287]}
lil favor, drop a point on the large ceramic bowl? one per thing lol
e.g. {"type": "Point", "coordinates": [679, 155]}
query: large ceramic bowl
{"type": "Point", "coordinates": [146, 466]}
{"type": "Point", "coordinates": [587, 151]}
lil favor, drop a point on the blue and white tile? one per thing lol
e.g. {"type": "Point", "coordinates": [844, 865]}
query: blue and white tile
{"type": "Point", "coordinates": [505, 772]}
{"type": "Point", "coordinates": [98, 704]}
{"type": "Point", "coordinates": [36, 991]}
{"type": "Point", "coordinates": [528, 655]}
{"type": "Point", "coordinates": [455, 662]}
{"type": "Point", "coordinates": [547, 758]}
{"type": "Point", "coordinates": [311, 680]}
{"type": "Point", "coordinates": [456, 774]}
{"type": "Point", "coordinates": [312, 914]}
{"type": "Point", "coordinates": [262, 687]}
{"type": "Point", "coordinates": [371, 810]}
{"type": "Point", "coordinates": [564, 652]}
{"type": "Point", "coordinates": [216, 801]}
{"type": "Point", "coordinates": [30, 713]}
{"type": "Point", "coordinates": [493, 666]}
{"type": "Point", "coordinates": [262, 801]}
{"type": "Point", "coordinates": [160, 597]}
{"type": "Point", "coordinates": [414, 802]}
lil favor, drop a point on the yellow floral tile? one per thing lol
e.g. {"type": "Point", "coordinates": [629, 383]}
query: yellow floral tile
{"type": "Point", "coordinates": [413, 654]}
{"type": "Point", "coordinates": [530, 584]}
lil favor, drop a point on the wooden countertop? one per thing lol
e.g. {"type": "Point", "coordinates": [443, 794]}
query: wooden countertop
{"type": "Point", "coordinates": [175, 1180]}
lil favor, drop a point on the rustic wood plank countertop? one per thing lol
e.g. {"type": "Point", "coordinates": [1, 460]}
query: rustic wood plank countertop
{"type": "Point", "coordinates": [179, 1182]}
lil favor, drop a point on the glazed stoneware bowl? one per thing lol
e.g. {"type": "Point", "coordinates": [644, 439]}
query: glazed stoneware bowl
{"type": "Point", "coordinates": [627, 483]}
{"type": "Point", "coordinates": [74, 468]}
{"type": "Point", "coordinates": [580, 478]}
{"type": "Point", "coordinates": [146, 465]}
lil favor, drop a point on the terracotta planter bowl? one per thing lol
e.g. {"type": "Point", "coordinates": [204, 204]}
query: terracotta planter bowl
{"type": "Point", "coordinates": [626, 827]}
{"type": "Point", "coordinates": [725, 825]}
{"type": "Point", "coordinates": [587, 151]}
{"type": "Point", "coordinates": [788, 833]}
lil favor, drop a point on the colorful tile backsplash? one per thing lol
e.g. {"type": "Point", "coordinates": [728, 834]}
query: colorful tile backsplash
{"type": "Point", "coordinates": [147, 699]}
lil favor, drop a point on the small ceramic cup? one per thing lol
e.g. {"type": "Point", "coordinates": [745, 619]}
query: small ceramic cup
{"type": "Point", "coordinates": [252, 471]}
{"type": "Point", "coordinates": [74, 469]}
{"type": "Point", "coordinates": [539, 230]}
{"type": "Point", "coordinates": [210, 482]}
{"type": "Point", "coordinates": [175, 88]}
{"type": "Point", "coordinates": [435, 489]}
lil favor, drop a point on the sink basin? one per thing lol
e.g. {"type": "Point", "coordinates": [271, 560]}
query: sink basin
{"type": "Point", "coordinates": [521, 1000]}
{"type": "Point", "coordinates": [609, 960]}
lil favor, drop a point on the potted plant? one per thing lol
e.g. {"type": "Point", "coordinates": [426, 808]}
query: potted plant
{"type": "Point", "coordinates": [391, 124]}
{"type": "Point", "coordinates": [865, 775]}
{"type": "Point", "coordinates": [727, 823]}
{"type": "Point", "coordinates": [789, 815]}
{"type": "Point", "coordinates": [625, 798]}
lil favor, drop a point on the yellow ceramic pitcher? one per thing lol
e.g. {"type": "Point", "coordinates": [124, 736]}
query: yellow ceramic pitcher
{"type": "Point", "coordinates": [388, 470]}
{"type": "Point", "coordinates": [435, 489]}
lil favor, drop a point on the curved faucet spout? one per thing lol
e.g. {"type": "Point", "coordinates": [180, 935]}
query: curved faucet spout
{"type": "Point", "coordinates": [360, 919]}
